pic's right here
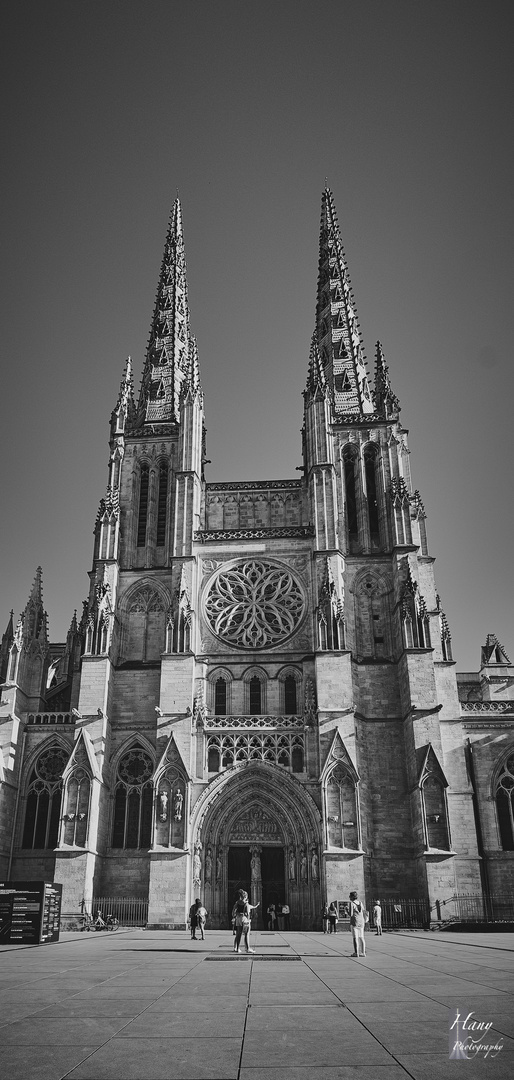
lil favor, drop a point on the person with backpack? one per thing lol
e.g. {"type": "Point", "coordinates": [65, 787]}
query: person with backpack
{"type": "Point", "coordinates": [241, 914]}
{"type": "Point", "coordinates": [358, 919]}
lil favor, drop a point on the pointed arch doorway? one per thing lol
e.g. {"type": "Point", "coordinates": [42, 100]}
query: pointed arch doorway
{"type": "Point", "coordinates": [258, 830]}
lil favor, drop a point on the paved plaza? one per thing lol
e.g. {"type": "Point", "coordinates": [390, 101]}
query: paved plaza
{"type": "Point", "coordinates": [139, 1005]}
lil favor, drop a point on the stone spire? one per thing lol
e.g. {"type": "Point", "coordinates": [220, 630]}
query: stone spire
{"type": "Point", "coordinates": [34, 618]}
{"type": "Point", "coordinates": [386, 403]}
{"type": "Point", "coordinates": [123, 414]}
{"type": "Point", "coordinates": [168, 354]}
{"type": "Point", "coordinates": [5, 645]}
{"type": "Point", "coordinates": [337, 328]}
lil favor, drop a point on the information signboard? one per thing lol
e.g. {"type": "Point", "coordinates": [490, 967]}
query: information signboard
{"type": "Point", "coordinates": [29, 912]}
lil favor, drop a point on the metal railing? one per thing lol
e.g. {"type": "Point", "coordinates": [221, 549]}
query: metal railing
{"type": "Point", "coordinates": [411, 913]}
{"type": "Point", "coordinates": [479, 908]}
{"type": "Point", "coordinates": [129, 910]}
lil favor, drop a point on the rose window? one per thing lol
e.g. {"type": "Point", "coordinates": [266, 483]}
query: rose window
{"type": "Point", "coordinates": [254, 605]}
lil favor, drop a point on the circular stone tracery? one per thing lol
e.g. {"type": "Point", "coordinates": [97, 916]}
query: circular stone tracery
{"type": "Point", "coordinates": [254, 604]}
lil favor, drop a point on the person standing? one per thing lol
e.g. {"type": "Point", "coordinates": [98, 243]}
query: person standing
{"type": "Point", "coordinates": [357, 923]}
{"type": "Point", "coordinates": [201, 918]}
{"type": "Point", "coordinates": [332, 917]}
{"type": "Point", "coordinates": [242, 913]}
{"type": "Point", "coordinates": [377, 917]}
{"type": "Point", "coordinates": [286, 912]}
{"type": "Point", "coordinates": [192, 919]}
{"type": "Point", "coordinates": [271, 917]}
{"type": "Point", "coordinates": [325, 918]}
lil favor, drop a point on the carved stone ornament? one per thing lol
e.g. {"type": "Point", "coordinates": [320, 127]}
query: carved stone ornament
{"type": "Point", "coordinates": [255, 605]}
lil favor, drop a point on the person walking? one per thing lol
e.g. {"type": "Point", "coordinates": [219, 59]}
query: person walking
{"type": "Point", "coordinates": [357, 923]}
{"type": "Point", "coordinates": [192, 919]}
{"type": "Point", "coordinates": [332, 917]}
{"type": "Point", "coordinates": [377, 918]}
{"type": "Point", "coordinates": [242, 913]}
{"type": "Point", "coordinates": [201, 918]}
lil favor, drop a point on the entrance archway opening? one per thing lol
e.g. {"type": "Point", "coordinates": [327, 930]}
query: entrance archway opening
{"type": "Point", "coordinates": [239, 874]}
{"type": "Point", "coordinates": [273, 879]}
{"type": "Point", "coordinates": [271, 889]}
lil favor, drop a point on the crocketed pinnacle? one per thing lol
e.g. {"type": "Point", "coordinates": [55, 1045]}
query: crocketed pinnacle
{"type": "Point", "coordinates": [337, 329]}
{"type": "Point", "coordinates": [34, 618]}
{"type": "Point", "coordinates": [386, 403]}
{"type": "Point", "coordinates": [168, 354]}
{"type": "Point", "coordinates": [125, 408]}
{"type": "Point", "coordinates": [316, 380]}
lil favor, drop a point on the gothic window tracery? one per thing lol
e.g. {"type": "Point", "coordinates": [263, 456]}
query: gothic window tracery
{"type": "Point", "coordinates": [342, 809]}
{"type": "Point", "coordinates": [44, 795]}
{"type": "Point", "coordinates": [162, 499]}
{"type": "Point", "coordinates": [132, 824]}
{"type": "Point", "coordinates": [504, 798]}
{"type": "Point", "coordinates": [254, 605]}
{"type": "Point", "coordinates": [144, 485]}
{"type": "Point", "coordinates": [230, 748]}
{"type": "Point", "coordinates": [350, 492]}
{"type": "Point", "coordinates": [170, 808]}
{"type": "Point", "coordinates": [144, 617]}
{"type": "Point", "coordinates": [77, 807]}
{"type": "Point", "coordinates": [370, 471]}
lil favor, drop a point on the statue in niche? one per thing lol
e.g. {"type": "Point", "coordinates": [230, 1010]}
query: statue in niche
{"type": "Point", "coordinates": [292, 866]}
{"type": "Point", "coordinates": [197, 864]}
{"type": "Point", "coordinates": [255, 863]}
{"type": "Point", "coordinates": [179, 802]}
{"type": "Point", "coordinates": [163, 806]}
{"type": "Point", "coordinates": [218, 868]}
{"type": "Point", "coordinates": [314, 865]}
{"type": "Point", "coordinates": [208, 866]}
{"type": "Point", "coordinates": [303, 865]}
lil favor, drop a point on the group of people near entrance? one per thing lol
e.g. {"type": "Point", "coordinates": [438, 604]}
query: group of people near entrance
{"type": "Point", "coordinates": [359, 918]}
{"type": "Point", "coordinates": [280, 915]}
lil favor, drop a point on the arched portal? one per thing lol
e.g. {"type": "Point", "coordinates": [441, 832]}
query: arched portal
{"type": "Point", "coordinates": [258, 829]}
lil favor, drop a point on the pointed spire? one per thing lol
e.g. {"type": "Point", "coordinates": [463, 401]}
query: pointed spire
{"type": "Point", "coordinates": [386, 403]}
{"type": "Point", "coordinates": [337, 328]}
{"type": "Point", "coordinates": [316, 375]}
{"type": "Point", "coordinates": [168, 354]}
{"type": "Point", "coordinates": [123, 414]}
{"type": "Point", "coordinates": [5, 645]}
{"type": "Point", "coordinates": [34, 618]}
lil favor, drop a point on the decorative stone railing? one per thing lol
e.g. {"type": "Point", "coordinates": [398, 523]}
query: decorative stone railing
{"type": "Point", "coordinates": [51, 718]}
{"type": "Point", "coordinates": [285, 532]}
{"type": "Point", "coordinates": [254, 722]}
{"type": "Point", "coordinates": [488, 706]}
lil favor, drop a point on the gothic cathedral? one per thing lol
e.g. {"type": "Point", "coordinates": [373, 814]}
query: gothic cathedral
{"type": "Point", "coordinates": [260, 691]}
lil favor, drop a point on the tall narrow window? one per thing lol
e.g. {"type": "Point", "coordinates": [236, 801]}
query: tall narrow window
{"type": "Point", "coordinates": [220, 697]}
{"type": "Point", "coordinates": [341, 801]}
{"type": "Point", "coordinates": [351, 495]}
{"type": "Point", "coordinates": [143, 505]}
{"type": "Point", "coordinates": [161, 505]}
{"type": "Point", "coordinates": [255, 696]}
{"type": "Point", "coordinates": [371, 492]}
{"type": "Point", "coordinates": [290, 695]}
{"type": "Point", "coordinates": [505, 805]}
{"type": "Point", "coordinates": [44, 799]}
{"type": "Point", "coordinates": [132, 826]}
{"type": "Point", "coordinates": [435, 813]}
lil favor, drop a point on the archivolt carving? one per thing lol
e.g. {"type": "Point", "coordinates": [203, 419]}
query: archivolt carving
{"type": "Point", "coordinates": [255, 604]}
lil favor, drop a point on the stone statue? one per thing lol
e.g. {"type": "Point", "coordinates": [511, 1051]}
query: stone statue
{"type": "Point", "coordinates": [218, 868]}
{"type": "Point", "coordinates": [179, 802]}
{"type": "Point", "coordinates": [208, 865]}
{"type": "Point", "coordinates": [292, 867]}
{"type": "Point", "coordinates": [255, 864]}
{"type": "Point", "coordinates": [163, 806]}
{"type": "Point", "coordinates": [314, 865]}
{"type": "Point", "coordinates": [197, 863]}
{"type": "Point", "coordinates": [303, 865]}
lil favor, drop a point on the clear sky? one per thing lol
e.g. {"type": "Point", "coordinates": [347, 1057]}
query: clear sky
{"type": "Point", "coordinates": [245, 108]}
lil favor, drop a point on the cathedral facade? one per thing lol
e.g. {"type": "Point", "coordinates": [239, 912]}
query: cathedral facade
{"type": "Point", "coordinates": [260, 691]}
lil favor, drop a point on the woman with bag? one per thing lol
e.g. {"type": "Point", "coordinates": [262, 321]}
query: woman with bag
{"type": "Point", "coordinates": [358, 919]}
{"type": "Point", "coordinates": [332, 917]}
{"type": "Point", "coordinates": [242, 913]}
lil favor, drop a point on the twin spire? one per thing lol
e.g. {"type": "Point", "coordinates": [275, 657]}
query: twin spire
{"type": "Point", "coordinates": [337, 363]}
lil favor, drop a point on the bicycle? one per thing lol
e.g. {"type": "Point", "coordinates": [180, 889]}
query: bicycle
{"type": "Point", "coordinates": [99, 923]}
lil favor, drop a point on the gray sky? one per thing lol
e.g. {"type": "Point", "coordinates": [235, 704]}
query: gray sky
{"type": "Point", "coordinates": [245, 107]}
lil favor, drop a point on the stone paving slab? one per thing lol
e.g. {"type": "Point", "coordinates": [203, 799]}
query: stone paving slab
{"type": "Point", "coordinates": [153, 1006]}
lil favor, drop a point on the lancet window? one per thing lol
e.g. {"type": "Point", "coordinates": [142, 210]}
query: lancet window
{"type": "Point", "coordinates": [370, 463]}
{"type": "Point", "coordinates": [75, 820]}
{"type": "Point", "coordinates": [290, 695]}
{"type": "Point", "coordinates": [220, 697]}
{"type": "Point", "coordinates": [162, 500]}
{"type": "Point", "coordinates": [350, 489]}
{"type": "Point", "coordinates": [144, 486]}
{"type": "Point", "coordinates": [436, 818]}
{"type": "Point", "coordinates": [504, 797]}
{"type": "Point", "coordinates": [342, 809]}
{"type": "Point", "coordinates": [44, 795]}
{"type": "Point", "coordinates": [132, 824]}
